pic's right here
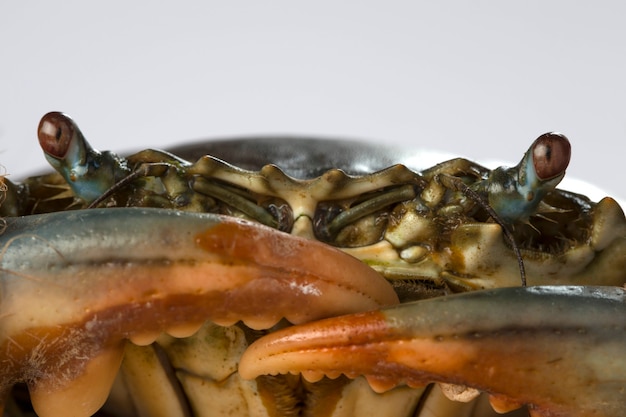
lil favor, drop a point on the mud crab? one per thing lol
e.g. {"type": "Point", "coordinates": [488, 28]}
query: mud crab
{"type": "Point", "coordinates": [162, 287]}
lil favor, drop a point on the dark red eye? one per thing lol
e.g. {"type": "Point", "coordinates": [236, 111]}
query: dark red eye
{"type": "Point", "coordinates": [551, 153]}
{"type": "Point", "coordinates": [55, 133]}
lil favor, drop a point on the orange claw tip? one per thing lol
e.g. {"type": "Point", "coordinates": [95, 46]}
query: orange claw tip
{"type": "Point", "coordinates": [522, 345]}
{"type": "Point", "coordinates": [327, 341]}
{"type": "Point", "coordinates": [318, 264]}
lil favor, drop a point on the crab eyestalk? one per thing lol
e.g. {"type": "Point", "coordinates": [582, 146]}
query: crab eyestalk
{"type": "Point", "coordinates": [114, 274]}
{"type": "Point", "coordinates": [558, 349]}
{"type": "Point", "coordinates": [88, 172]}
{"type": "Point", "coordinates": [515, 193]}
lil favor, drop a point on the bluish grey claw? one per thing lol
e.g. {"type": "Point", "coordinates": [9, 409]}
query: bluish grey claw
{"type": "Point", "coordinates": [558, 349]}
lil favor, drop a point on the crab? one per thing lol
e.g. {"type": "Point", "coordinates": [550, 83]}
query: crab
{"type": "Point", "coordinates": [330, 282]}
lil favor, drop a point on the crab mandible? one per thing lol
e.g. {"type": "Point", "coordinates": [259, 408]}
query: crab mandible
{"type": "Point", "coordinates": [175, 283]}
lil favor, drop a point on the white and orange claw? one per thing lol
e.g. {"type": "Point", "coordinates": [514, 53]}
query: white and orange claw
{"type": "Point", "coordinates": [558, 349]}
{"type": "Point", "coordinates": [75, 284]}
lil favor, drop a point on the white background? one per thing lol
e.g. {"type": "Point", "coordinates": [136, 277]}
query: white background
{"type": "Point", "coordinates": [479, 79]}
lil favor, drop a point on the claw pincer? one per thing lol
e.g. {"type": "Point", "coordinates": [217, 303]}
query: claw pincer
{"type": "Point", "coordinates": [558, 349]}
{"type": "Point", "coordinates": [108, 275]}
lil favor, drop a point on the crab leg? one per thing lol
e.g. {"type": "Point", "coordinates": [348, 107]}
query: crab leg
{"type": "Point", "coordinates": [75, 285]}
{"type": "Point", "coordinates": [558, 349]}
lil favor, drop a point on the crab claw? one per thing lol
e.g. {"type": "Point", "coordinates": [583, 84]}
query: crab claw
{"type": "Point", "coordinates": [75, 285]}
{"type": "Point", "coordinates": [558, 349]}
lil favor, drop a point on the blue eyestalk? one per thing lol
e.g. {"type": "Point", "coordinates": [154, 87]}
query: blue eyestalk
{"type": "Point", "coordinates": [88, 172]}
{"type": "Point", "coordinates": [515, 193]}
